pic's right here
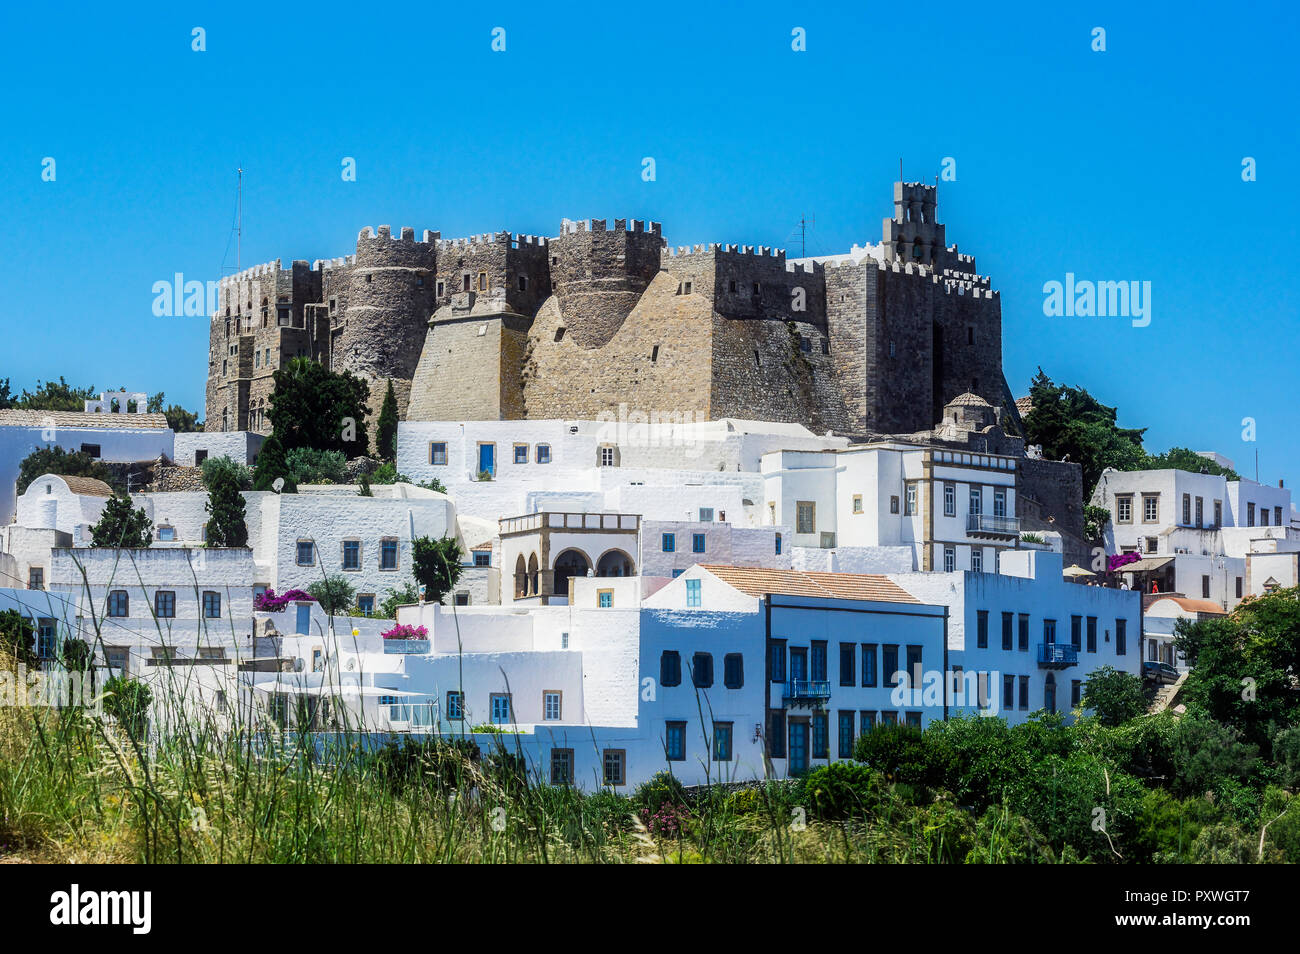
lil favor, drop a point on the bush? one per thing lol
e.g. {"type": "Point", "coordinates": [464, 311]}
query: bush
{"type": "Point", "coordinates": [226, 526]}
{"type": "Point", "coordinates": [842, 790]}
{"type": "Point", "coordinates": [897, 751]}
{"type": "Point", "coordinates": [218, 468]}
{"type": "Point", "coordinates": [662, 789]}
{"type": "Point", "coordinates": [121, 525]}
{"type": "Point", "coordinates": [128, 702]}
{"type": "Point", "coordinates": [308, 466]}
{"type": "Point", "coordinates": [404, 595]}
{"type": "Point", "coordinates": [436, 565]}
{"type": "Point", "coordinates": [334, 594]}
{"type": "Point", "coordinates": [1115, 697]}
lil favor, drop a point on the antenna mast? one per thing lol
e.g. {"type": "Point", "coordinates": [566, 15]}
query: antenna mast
{"type": "Point", "coordinates": [239, 217]}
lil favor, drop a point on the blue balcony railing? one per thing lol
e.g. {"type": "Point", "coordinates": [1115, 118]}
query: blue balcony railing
{"type": "Point", "coordinates": [984, 523]}
{"type": "Point", "coordinates": [1057, 655]}
{"type": "Point", "coordinates": [806, 692]}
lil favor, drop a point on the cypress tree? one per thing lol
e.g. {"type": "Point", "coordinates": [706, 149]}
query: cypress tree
{"type": "Point", "coordinates": [386, 428]}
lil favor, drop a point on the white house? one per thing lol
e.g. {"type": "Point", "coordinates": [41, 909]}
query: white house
{"type": "Point", "coordinates": [194, 447]}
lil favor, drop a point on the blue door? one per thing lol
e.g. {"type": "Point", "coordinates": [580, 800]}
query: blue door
{"type": "Point", "coordinates": [798, 757]}
{"type": "Point", "coordinates": [304, 619]}
{"type": "Point", "coordinates": [798, 665]}
{"type": "Point", "coordinates": [487, 459]}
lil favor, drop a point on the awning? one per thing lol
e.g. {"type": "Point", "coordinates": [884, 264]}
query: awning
{"type": "Point", "coordinates": [1145, 565]}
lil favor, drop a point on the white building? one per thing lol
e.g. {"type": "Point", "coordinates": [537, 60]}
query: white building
{"type": "Point", "coordinates": [194, 447]}
{"type": "Point", "coordinates": [955, 510]}
{"type": "Point", "coordinates": [105, 436]}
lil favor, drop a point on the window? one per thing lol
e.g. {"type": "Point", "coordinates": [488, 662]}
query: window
{"type": "Point", "coordinates": [166, 534]}
{"type": "Point", "coordinates": [1263, 516]}
{"type": "Point", "coordinates": [561, 766]}
{"type": "Point", "coordinates": [1023, 634]}
{"type": "Point", "coordinates": [976, 501]}
{"type": "Point", "coordinates": [949, 559]}
{"type": "Point", "coordinates": [889, 661]}
{"type": "Point", "coordinates": [893, 504]}
{"type": "Point", "coordinates": [521, 453]}
{"type": "Point", "coordinates": [702, 670]}
{"type": "Point", "coordinates": [669, 542]}
{"type": "Point", "coordinates": [607, 457]}
{"type": "Point", "coordinates": [868, 720]}
{"type": "Point", "coordinates": [1076, 632]}
{"type": "Point", "coordinates": [318, 662]}
{"type": "Point", "coordinates": [438, 453]}
{"type": "Point", "coordinates": [706, 515]}
{"type": "Point", "coordinates": [116, 658]}
{"type": "Point", "coordinates": [733, 671]}
{"type": "Point", "coordinates": [1049, 631]}
{"type": "Point", "coordinates": [352, 554]}
{"type": "Point", "coordinates": [482, 558]}
{"type": "Point", "coordinates": [805, 517]}
{"type": "Point", "coordinates": [1250, 512]}
{"type": "Point", "coordinates": [1187, 510]}
{"type": "Point", "coordinates": [848, 664]}
{"type": "Point", "coordinates": [845, 748]}
{"type": "Point", "coordinates": [1277, 516]}
{"type": "Point", "coordinates": [604, 599]}
{"type": "Point", "coordinates": [1008, 692]}
{"type": "Point", "coordinates": [869, 674]}
{"type": "Point", "coordinates": [1007, 620]}
{"type": "Point", "coordinates": [388, 554]}
{"type": "Point", "coordinates": [455, 705]}
{"type": "Point", "coordinates": [1200, 511]}
{"type": "Point", "coordinates": [675, 741]}
{"type": "Point", "coordinates": [501, 710]}
{"type": "Point", "coordinates": [999, 502]}
{"type": "Point", "coordinates": [482, 281]}
{"type": "Point", "coordinates": [615, 762]}
{"type": "Point", "coordinates": [1152, 544]}
{"type": "Point", "coordinates": [1024, 692]}
{"type": "Point", "coordinates": [697, 543]}
{"type": "Point", "coordinates": [821, 743]}
{"type": "Point", "coordinates": [776, 650]}
{"type": "Point", "coordinates": [543, 455]}
{"type": "Point", "coordinates": [857, 503]}
{"type": "Point", "coordinates": [46, 638]}
{"type": "Point", "coordinates": [722, 741]}
{"type": "Point", "coordinates": [1121, 637]}
{"type": "Point", "coordinates": [366, 604]}
{"type": "Point", "coordinates": [1092, 634]}
{"type": "Point", "coordinates": [1150, 508]}
{"type": "Point", "coordinates": [776, 734]}
{"type": "Point", "coordinates": [1124, 509]}
{"type": "Point", "coordinates": [306, 553]}
{"type": "Point", "coordinates": [552, 705]}
{"type": "Point", "coordinates": [817, 661]}
{"type": "Point", "coordinates": [911, 500]}
{"type": "Point", "coordinates": [982, 629]}
{"type": "Point", "coordinates": [949, 500]}
{"type": "Point", "coordinates": [119, 604]}
{"type": "Point", "coordinates": [211, 605]}
{"type": "Point", "coordinates": [977, 559]}
{"type": "Point", "coordinates": [1218, 512]}
{"type": "Point", "coordinates": [92, 450]}
{"type": "Point", "coordinates": [670, 668]}
{"type": "Point", "coordinates": [36, 578]}
{"type": "Point", "coordinates": [692, 593]}
{"type": "Point", "coordinates": [164, 604]}
{"type": "Point", "coordinates": [914, 667]}
{"type": "Point", "coordinates": [441, 290]}
{"type": "Point", "coordinates": [778, 544]}
{"type": "Point", "coordinates": [1238, 587]}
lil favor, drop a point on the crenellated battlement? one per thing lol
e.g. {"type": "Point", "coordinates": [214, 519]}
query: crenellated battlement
{"type": "Point", "coordinates": [573, 227]}
{"type": "Point", "coordinates": [385, 234]}
{"type": "Point", "coordinates": [253, 273]}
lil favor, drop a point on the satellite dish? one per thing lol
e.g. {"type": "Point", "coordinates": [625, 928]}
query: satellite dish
{"type": "Point", "coordinates": [277, 484]}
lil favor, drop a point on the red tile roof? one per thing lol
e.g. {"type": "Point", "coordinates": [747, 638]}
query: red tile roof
{"type": "Point", "coordinates": [757, 581]}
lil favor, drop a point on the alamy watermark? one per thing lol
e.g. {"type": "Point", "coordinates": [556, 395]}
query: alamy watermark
{"type": "Point", "coordinates": [1101, 299]}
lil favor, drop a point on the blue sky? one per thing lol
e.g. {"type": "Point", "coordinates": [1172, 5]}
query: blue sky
{"type": "Point", "coordinates": [1122, 165]}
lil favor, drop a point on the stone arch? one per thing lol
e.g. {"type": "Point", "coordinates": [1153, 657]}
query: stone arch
{"type": "Point", "coordinates": [615, 562]}
{"type": "Point", "coordinates": [532, 574]}
{"type": "Point", "coordinates": [521, 578]}
{"type": "Point", "coordinates": [571, 562]}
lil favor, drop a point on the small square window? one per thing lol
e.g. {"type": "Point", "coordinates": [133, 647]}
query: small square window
{"type": "Point", "coordinates": [521, 453]}
{"type": "Point", "coordinates": [543, 455]}
{"type": "Point", "coordinates": [438, 454]}
{"type": "Point", "coordinates": [306, 553]}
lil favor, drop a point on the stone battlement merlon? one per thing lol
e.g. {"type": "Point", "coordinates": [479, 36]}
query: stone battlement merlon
{"type": "Point", "coordinates": [265, 270]}
{"type": "Point", "coordinates": [574, 226]}
{"type": "Point", "coordinates": [385, 234]}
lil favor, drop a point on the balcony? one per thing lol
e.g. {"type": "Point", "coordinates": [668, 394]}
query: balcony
{"type": "Point", "coordinates": [987, 525]}
{"type": "Point", "coordinates": [806, 692]}
{"type": "Point", "coordinates": [417, 647]}
{"type": "Point", "coordinates": [1057, 655]}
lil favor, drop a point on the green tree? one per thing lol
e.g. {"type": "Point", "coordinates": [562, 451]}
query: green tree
{"type": "Point", "coordinates": [1115, 696]}
{"type": "Point", "coordinates": [319, 409]}
{"type": "Point", "coordinates": [76, 655]}
{"type": "Point", "coordinates": [307, 465]}
{"type": "Point", "coordinates": [404, 594]}
{"type": "Point", "coordinates": [1070, 421]}
{"type": "Point", "coordinates": [437, 565]}
{"type": "Point", "coordinates": [334, 594]}
{"type": "Point", "coordinates": [1181, 458]}
{"type": "Point", "coordinates": [180, 420]}
{"type": "Point", "coordinates": [56, 460]}
{"type": "Point", "coordinates": [128, 702]}
{"type": "Point", "coordinates": [386, 426]}
{"type": "Point", "coordinates": [121, 525]}
{"type": "Point", "coordinates": [271, 464]}
{"type": "Point", "coordinates": [18, 638]}
{"type": "Point", "coordinates": [6, 395]}
{"type": "Point", "coordinates": [226, 526]}
{"type": "Point", "coordinates": [62, 396]}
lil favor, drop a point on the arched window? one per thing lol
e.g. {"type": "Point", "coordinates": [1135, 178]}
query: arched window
{"type": "Point", "coordinates": [521, 578]}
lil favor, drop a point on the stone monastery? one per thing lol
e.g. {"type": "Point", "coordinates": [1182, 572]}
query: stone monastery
{"type": "Point", "coordinates": [503, 326]}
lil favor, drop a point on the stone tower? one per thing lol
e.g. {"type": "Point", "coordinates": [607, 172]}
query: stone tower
{"type": "Point", "coordinates": [599, 274]}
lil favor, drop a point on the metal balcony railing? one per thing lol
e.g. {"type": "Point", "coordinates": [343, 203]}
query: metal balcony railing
{"type": "Point", "coordinates": [1057, 655]}
{"type": "Point", "coordinates": [998, 526]}
{"type": "Point", "coordinates": [806, 692]}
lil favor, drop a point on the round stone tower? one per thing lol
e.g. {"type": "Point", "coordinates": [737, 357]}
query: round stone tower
{"type": "Point", "coordinates": [390, 296]}
{"type": "Point", "coordinates": [599, 274]}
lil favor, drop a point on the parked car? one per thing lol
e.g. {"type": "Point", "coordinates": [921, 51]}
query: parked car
{"type": "Point", "coordinates": [1162, 672]}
